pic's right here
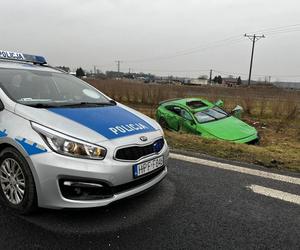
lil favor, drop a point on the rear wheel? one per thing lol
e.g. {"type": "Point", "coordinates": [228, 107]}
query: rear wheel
{"type": "Point", "coordinates": [17, 188]}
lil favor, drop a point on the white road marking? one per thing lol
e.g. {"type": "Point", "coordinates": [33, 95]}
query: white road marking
{"type": "Point", "coordinates": [255, 188]}
{"type": "Point", "coordinates": [275, 194]}
{"type": "Point", "coordinates": [225, 166]}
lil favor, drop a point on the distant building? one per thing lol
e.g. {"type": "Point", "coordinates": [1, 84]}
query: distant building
{"type": "Point", "coordinates": [189, 81]}
{"type": "Point", "coordinates": [230, 81]}
{"type": "Point", "coordinates": [199, 81]}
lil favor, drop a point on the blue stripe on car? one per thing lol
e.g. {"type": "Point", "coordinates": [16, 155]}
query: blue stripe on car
{"type": "Point", "coordinates": [30, 147]}
{"type": "Point", "coordinates": [3, 133]}
{"type": "Point", "coordinates": [111, 121]}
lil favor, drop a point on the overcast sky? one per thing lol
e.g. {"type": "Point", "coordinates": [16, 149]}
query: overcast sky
{"type": "Point", "coordinates": [160, 36]}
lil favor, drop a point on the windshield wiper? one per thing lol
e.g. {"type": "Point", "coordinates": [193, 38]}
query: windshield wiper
{"type": "Point", "coordinates": [79, 104]}
{"type": "Point", "coordinates": [41, 105]}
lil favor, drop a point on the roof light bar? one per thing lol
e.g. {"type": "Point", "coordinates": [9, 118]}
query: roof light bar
{"type": "Point", "coordinates": [16, 56]}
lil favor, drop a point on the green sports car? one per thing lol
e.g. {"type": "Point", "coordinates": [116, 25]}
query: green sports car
{"type": "Point", "coordinates": [201, 117]}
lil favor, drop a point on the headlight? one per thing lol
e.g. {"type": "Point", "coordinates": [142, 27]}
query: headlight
{"type": "Point", "coordinates": [69, 146]}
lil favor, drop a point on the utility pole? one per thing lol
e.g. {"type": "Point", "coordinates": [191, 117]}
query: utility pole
{"type": "Point", "coordinates": [252, 38]}
{"type": "Point", "coordinates": [118, 65]}
{"type": "Point", "coordinates": [210, 76]}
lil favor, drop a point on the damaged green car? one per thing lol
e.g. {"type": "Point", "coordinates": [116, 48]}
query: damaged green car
{"type": "Point", "coordinates": [209, 120]}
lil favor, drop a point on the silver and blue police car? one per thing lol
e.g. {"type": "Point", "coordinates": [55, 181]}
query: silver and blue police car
{"type": "Point", "coordinates": [64, 144]}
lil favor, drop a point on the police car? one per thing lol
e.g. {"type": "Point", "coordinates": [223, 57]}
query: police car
{"type": "Point", "coordinates": [64, 144]}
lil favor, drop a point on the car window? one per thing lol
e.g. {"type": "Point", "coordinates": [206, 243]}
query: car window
{"type": "Point", "coordinates": [174, 109]}
{"type": "Point", "coordinates": [30, 86]}
{"type": "Point", "coordinates": [202, 117]}
{"type": "Point", "coordinates": [186, 115]}
{"type": "Point", "coordinates": [196, 104]}
{"type": "Point", "coordinates": [220, 110]}
{"type": "Point", "coordinates": [216, 113]}
{"type": "Point", "coordinates": [211, 114]}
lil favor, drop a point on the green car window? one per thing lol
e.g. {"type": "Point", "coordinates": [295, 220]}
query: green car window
{"type": "Point", "coordinates": [202, 118]}
{"type": "Point", "coordinates": [186, 115]}
{"type": "Point", "coordinates": [220, 110]}
{"type": "Point", "coordinates": [210, 115]}
{"type": "Point", "coordinates": [174, 109]}
{"type": "Point", "coordinates": [216, 113]}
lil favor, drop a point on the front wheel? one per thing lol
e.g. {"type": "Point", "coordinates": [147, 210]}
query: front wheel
{"type": "Point", "coordinates": [17, 188]}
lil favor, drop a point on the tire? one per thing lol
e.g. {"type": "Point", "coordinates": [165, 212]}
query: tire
{"type": "Point", "coordinates": [17, 187]}
{"type": "Point", "coordinates": [163, 123]}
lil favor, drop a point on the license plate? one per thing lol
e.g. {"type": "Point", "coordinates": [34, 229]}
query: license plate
{"type": "Point", "coordinates": [148, 166]}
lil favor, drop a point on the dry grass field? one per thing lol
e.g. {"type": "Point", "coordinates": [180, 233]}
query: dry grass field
{"type": "Point", "coordinates": [273, 111]}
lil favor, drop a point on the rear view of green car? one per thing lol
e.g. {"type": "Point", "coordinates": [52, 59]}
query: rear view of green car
{"type": "Point", "coordinates": [206, 119]}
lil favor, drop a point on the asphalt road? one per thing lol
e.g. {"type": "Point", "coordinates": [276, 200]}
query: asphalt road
{"type": "Point", "coordinates": [195, 207]}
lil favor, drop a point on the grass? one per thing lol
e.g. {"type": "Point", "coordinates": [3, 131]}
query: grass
{"type": "Point", "coordinates": [274, 112]}
{"type": "Point", "coordinates": [271, 155]}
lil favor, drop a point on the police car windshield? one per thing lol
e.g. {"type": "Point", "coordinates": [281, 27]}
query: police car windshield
{"type": "Point", "coordinates": [43, 89]}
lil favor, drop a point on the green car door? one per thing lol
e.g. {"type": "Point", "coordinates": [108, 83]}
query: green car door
{"type": "Point", "coordinates": [179, 118]}
{"type": "Point", "coordinates": [187, 122]}
{"type": "Point", "coordinates": [172, 117]}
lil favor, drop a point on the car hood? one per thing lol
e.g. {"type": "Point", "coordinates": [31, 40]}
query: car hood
{"type": "Point", "coordinates": [229, 128]}
{"type": "Point", "coordinates": [93, 124]}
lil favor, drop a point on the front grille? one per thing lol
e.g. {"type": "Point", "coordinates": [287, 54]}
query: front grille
{"type": "Point", "coordinates": [136, 152]}
{"type": "Point", "coordinates": [141, 181]}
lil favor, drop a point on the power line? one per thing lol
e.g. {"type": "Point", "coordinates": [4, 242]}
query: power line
{"type": "Point", "coordinates": [172, 70]}
{"type": "Point", "coordinates": [272, 29]}
{"type": "Point", "coordinates": [256, 75]}
{"type": "Point", "coordinates": [230, 40]}
{"type": "Point", "coordinates": [283, 31]}
{"type": "Point", "coordinates": [254, 38]}
{"type": "Point", "coordinates": [227, 41]}
{"type": "Point", "coordinates": [218, 43]}
{"type": "Point", "coordinates": [215, 44]}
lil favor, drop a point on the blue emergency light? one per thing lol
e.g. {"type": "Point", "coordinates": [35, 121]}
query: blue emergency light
{"type": "Point", "coordinates": [16, 56]}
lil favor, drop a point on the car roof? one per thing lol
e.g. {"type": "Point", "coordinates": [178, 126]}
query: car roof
{"type": "Point", "coordinates": [9, 64]}
{"type": "Point", "coordinates": [184, 101]}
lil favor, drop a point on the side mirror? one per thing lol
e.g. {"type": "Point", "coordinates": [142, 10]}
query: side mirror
{"type": "Point", "coordinates": [237, 111]}
{"type": "Point", "coordinates": [219, 103]}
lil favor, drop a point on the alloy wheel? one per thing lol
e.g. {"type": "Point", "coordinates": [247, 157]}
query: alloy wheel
{"type": "Point", "coordinates": [12, 181]}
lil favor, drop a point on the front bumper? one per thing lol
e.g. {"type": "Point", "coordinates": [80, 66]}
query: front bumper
{"type": "Point", "coordinates": [253, 139]}
{"type": "Point", "coordinates": [50, 168]}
